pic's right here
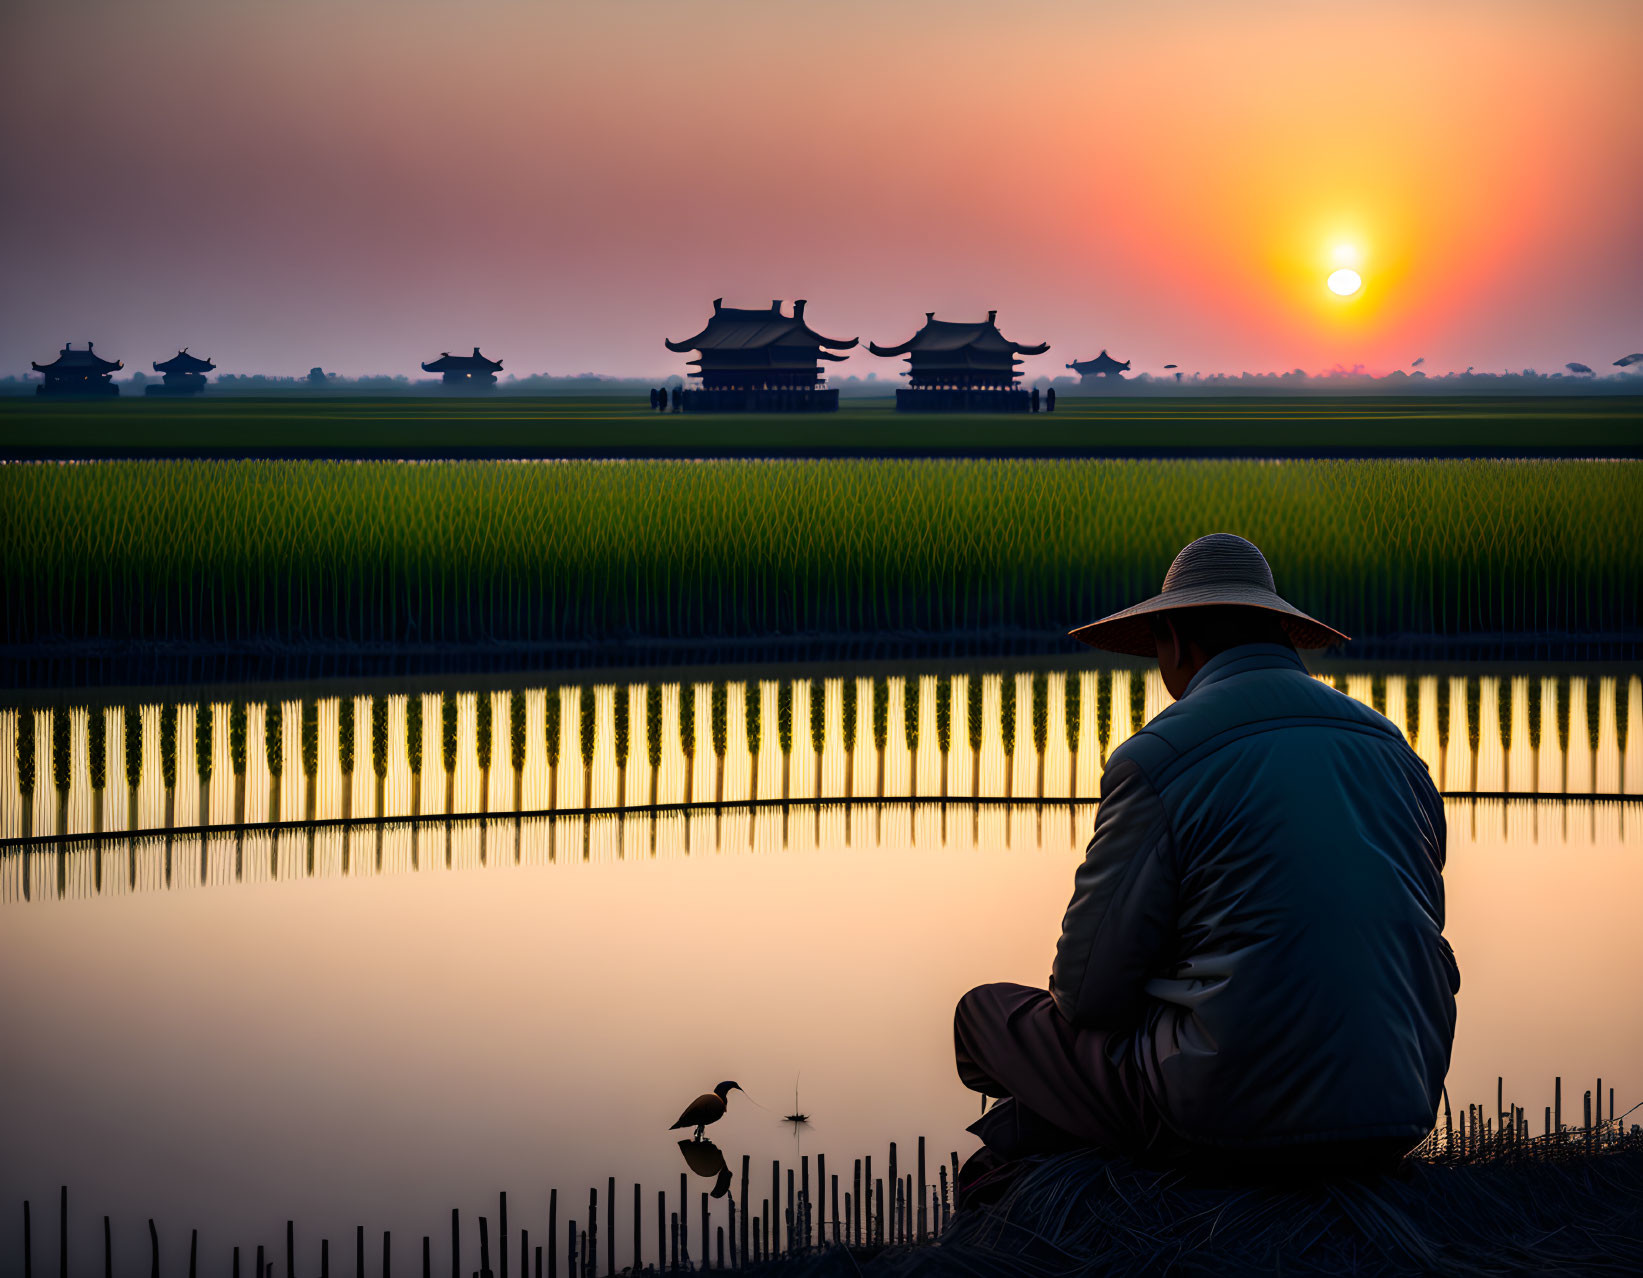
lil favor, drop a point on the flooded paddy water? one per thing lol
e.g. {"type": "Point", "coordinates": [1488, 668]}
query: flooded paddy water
{"type": "Point", "coordinates": [357, 955]}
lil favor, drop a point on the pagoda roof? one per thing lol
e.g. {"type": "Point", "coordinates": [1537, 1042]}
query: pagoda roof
{"type": "Point", "coordinates": [1102, 363]}
{"type": "Point", "coordinates": [940, 336]}
{"type": "Point", "coordinates": [70, 360]}
{"type": "Point", "coordinates": [734, 329]}
{"type": "Point", "coordinates": [475, 363]}
{"type": "Point", "coordinates": [183, 362]}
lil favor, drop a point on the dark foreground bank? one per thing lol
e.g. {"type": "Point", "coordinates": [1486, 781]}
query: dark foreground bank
{"type": "Point", "coordinates": [1535, 1211]}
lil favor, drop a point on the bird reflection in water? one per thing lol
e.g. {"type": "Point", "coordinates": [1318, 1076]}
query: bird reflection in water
{"type": "Point", "coordinates": [707, 1160]}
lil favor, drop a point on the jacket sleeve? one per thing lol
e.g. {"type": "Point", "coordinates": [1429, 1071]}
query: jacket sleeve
{"type": "Point", "coordinates": [1120, 926]}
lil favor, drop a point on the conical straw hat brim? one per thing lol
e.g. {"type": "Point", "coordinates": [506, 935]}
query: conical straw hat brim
{"type": "Point", "coordinates": [1130, 631]}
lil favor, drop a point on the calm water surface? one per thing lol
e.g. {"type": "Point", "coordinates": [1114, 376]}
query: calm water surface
{"type": "Point", "coordinates": [372, 1025]}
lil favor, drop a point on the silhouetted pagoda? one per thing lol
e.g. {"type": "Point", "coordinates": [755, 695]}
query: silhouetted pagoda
{"type": "Point", "coordinates": [467, 372]}
{"type": "Point", "coordinates": [961, 368]}
{"type": "Point", "coordinates": [78, 373]}
{"type": "Point", "coordinates": [184, 374]}
{"type": "Point", "coordinates": [760, 361]}
{"type": "Point", "coordinates": [1100, 370]}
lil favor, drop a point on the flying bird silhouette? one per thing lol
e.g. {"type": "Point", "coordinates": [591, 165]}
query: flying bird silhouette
{"type": "Point", "coordinates": [707, 1108]}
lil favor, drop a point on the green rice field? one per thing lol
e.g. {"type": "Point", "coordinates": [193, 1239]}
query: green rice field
{"type": "Point", "coordinates": [620, 424]}
{"type": "Point", "coordinates": [210, 552]}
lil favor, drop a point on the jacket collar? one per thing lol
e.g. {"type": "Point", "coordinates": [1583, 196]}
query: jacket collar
{"type": "Point", "coordinates": [1245, 657]}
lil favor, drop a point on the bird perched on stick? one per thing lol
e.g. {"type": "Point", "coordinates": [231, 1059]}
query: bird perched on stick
{"type": "Point", "coordinates": [707, 1108]}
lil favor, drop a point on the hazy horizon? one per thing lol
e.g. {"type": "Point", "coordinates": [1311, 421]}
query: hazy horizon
{"type": "Point", "coordinates": [362, 186]}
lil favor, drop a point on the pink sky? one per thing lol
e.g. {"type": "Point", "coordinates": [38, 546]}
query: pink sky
{"type": "Point", "coordinates": [362, 185]}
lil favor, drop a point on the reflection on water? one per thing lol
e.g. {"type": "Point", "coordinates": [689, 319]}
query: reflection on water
{"type": "Point", "coordinates": [340, 1046]}
{"type": "Point", "coordinates": [211, 761]}
{"type": "Point", "coordinates": [115, 865]}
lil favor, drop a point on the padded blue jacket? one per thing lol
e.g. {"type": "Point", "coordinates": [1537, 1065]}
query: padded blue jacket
{"type": "Point", "coordinates": [1260, 913]}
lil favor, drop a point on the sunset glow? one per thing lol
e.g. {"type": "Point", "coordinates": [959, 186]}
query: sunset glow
{"type": "Point", "coordinates": [1345, 282]}
{"type": "Point", "coordinates": [570, 183]}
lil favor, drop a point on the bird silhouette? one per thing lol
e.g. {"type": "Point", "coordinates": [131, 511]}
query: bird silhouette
{"type": "Point", "coordinates": [707, 1108]}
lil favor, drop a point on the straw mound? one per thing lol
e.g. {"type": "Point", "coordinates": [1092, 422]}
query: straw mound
{"type": "Point", "coordinates": [1083, 1214]}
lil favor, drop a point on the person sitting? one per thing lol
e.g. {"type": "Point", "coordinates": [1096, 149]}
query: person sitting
{"type": "Point", "coordinates": [1252, 975]}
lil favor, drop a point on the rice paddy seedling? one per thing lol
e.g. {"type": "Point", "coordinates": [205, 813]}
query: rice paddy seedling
{"type": "Point", "coordinates": [168, 744]}
{"type": "Point", "coordinates": [1412, 711]}
{"type": "Point", "coordinates": [653, 725]}
{"type": "Point", "coordinates": [587, 726]}
{"type": "Point", "coordinates": [1138, 699]}
{"type": "Point", "coordinates": [1474, 728]}
{"type": "Point", "coordinates": [1536, 692]}
{"type": "Point", "coordinates": [413, 734]}
{"type": "Point", "coordinates": [784, 717]}
{"type": "Point", "coordinates": [484, 730]}
{"type": "Point", "coordinates": [236, 736]}
{"type": "Point", "coordinates": [1377, 693]}
{"type": "Point", "coordinates": [447, 730]}
{"type": "Point", "coordinates": [848, 707]}
{"type": "Point", "coordinates": [718, 710]}
{"type": "Point", "coordinates": [1443, 725]}
{"type": "Point", "coordinates": [379, 736]}
{"type": "Point", "coordinates": [273, 732]}
{"type": "Point", "coordinates": [1103, 709]}
{"type": "Point", "coordinates": [97, 747]}
{"type": "Point", "coordinates": [1622, 714]}
{"type": "Point", "coordinates": [621, 700]}
{"type": "Point", "coordinates": [818, 716]}
{"type": "Point", "coordinates": [687, 718]}
{"type": "Point", "coordinates": [909, 712]}
{"type": "Point", "coordinates": [60, 748]}
{"type": "Point", "coordinates": [752, 717]}
{"type": "Point", "coordinates": [553, 724]}
{"type": "Point", "coordinates": [1006, 714]}
{"type": "Point", "coordinates": [215, 552]}
{"type": "Point", "coordinates": [309, 730]}
{"type": "Point", "coordinates": [131, 721]}
{"type": "Point", "coordinates": [944, 716]}
{"type": "Point", "coordinates": [202, 741]}
{"type": "Point", "coordinates": [345, 734]}
{"type": "Point", "coordinates": [25, 752]}
{"type": "Point", "coordinates": [1594, 714]}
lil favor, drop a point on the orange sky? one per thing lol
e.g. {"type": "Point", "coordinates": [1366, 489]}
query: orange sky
{"type": "Point", "coordinates": [363, 185]}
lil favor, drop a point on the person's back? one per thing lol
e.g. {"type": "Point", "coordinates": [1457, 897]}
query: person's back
{"type": "Point", "coordinates": [1251, 971]}
{"type": "Point", "coordinates": [1306, 992]}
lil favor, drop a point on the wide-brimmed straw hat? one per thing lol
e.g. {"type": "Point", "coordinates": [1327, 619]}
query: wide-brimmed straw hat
{"type": "Point", "coordinates": [1218, 569]}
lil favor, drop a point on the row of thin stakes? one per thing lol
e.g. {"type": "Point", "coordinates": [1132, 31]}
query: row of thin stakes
{"type": "Point", "coordinates": [1475, 1135]}
{"type": "Point", "coordinates": [895, 1209]}
{"type": "Point", "coordinates": [916, 1212]}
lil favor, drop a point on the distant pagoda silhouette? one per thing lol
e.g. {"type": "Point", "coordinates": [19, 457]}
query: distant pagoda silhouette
{"type": "Point", "coordinates": [961, 367]}
{"type": "Point", "coordinates": [1100, 371]}
{"type": "Point", "coordinates": [184, 374]}
{"type": "Point", "coordinates": [760, 361]}
{"type": "Point", "coordinates": [465, 372]}
{"type": "Point", "coordinates": [78, 373]}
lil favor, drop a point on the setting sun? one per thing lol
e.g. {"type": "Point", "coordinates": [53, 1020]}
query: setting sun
{"type": "Point", "coordinates": [1345, 282]}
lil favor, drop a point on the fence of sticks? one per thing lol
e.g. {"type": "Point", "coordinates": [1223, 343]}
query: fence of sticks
{"type": "Point", "coordinates": [799, 1219]}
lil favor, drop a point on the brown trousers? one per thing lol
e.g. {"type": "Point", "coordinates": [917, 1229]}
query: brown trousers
{"type": "Point", "coordinates": [1071, 1088]}
{"type": "Point", "coordinates": [1067, 1088]}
